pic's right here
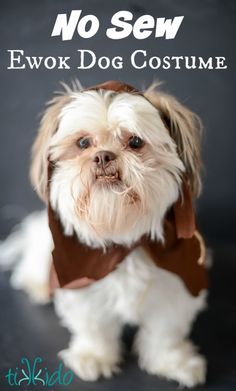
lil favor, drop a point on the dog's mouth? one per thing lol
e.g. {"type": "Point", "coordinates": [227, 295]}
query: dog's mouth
{"type": "Point", "coordinates": [107, 176]}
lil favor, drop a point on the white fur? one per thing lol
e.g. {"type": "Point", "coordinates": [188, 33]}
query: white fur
{"type": "Point", "coordinates": [137, 292]}
{"type": "Point", "coordinates": [29, 247]}
{"type": "Point", "coordinates": [111, 111]}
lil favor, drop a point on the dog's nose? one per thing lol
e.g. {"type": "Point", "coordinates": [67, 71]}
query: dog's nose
{"type": "Point", "coordinates": [103, 158]}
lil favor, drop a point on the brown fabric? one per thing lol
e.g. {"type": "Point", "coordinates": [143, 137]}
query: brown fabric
{"type": "Point", "coordinates": [74, 260]}
{"type": "Point", "coordinates": [184, 213]}
{"type": "Point", "coordinates": [114, 85]}
{"type": "Point", "coordinates": [181, 257]}
{"type": "Point", "coordinates": [76, 265]}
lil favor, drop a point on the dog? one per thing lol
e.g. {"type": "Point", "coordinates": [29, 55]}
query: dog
{"type": "Point", "coordinates": [118, 170]}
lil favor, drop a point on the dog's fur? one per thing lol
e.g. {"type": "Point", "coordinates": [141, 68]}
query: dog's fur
{"type": "Point", "coordinates": [101, 212]}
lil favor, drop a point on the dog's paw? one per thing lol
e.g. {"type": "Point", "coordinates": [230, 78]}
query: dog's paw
{"type": "Point", "coordinates": [193, 372]}
{"type": "Point", "coordinates": [88, 367]}
{"type": "Point", "coordinates": [180, 363]}
{"type": "Point", "coordinates": [190, 372]}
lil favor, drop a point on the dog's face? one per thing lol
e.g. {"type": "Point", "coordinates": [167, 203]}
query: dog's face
{"type": "Point", "coordinates": [117, 167]}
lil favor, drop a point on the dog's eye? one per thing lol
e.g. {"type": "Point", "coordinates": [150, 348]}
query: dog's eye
{"type": "Point", "coordinates": [136, 142]}
{"type": "Point", "coordinates": [83, 142]}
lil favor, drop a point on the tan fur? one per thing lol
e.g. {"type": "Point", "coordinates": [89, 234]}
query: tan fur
{"type": "Point", "coordinates": [48, 126]}
{"type": "Point", "coordinates": [185, 128]}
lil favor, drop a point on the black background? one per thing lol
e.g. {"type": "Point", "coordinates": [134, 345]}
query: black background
{"type": "Point", "coordinates": [208, 29]}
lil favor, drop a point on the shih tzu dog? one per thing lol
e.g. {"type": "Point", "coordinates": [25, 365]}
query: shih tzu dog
{"type": "Point", "coordinates": [118, 170]}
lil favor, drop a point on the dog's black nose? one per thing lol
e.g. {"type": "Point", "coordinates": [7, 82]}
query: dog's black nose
{"type": "Point", "coordinates": [103, 158]}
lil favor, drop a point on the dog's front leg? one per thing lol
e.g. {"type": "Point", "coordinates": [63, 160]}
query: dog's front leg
{"type": "Point", "coordinates": [166, 318]}
{"type": "Point", "coordinates": [95, 347]}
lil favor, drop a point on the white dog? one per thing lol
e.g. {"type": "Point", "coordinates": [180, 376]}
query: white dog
{"type": "Point", "coordinates": [113, 165]}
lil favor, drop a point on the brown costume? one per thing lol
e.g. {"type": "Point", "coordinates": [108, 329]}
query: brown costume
{"type": "Point", "coordinates": [76, 265]}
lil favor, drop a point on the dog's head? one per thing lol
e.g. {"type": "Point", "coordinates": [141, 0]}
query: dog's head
{"type": "Point", "coordinates": [118, 161]}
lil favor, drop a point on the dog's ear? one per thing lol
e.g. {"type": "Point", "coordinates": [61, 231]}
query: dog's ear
{"type": "Point", "coordinates": [185, 128]}
{"type": "Point", "coordinates": [40, 149]}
